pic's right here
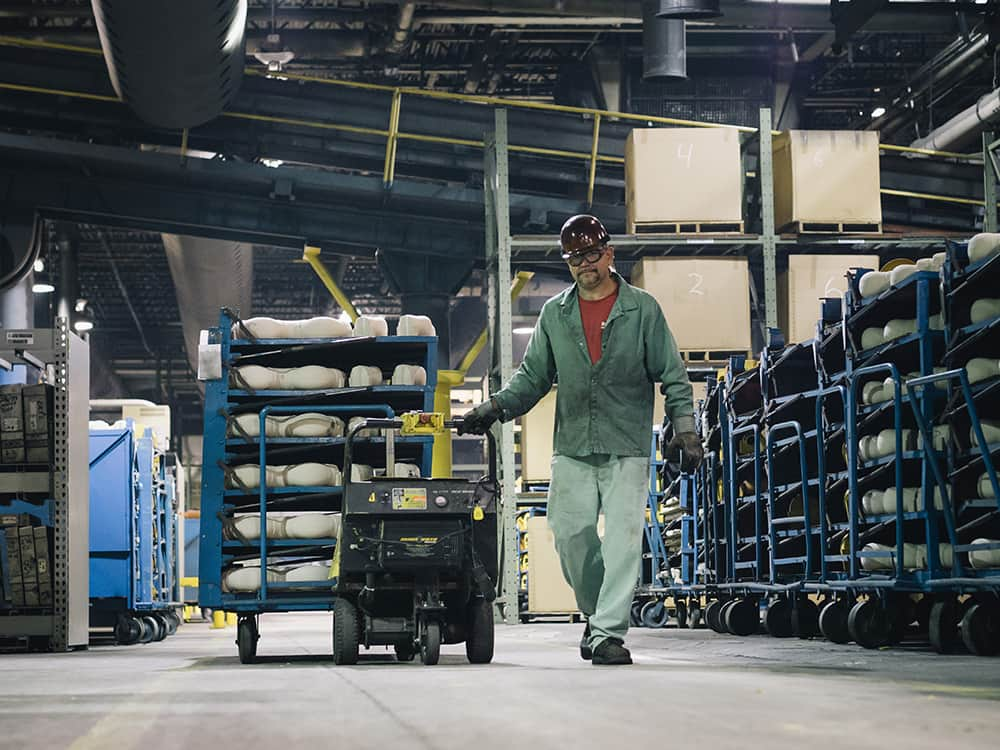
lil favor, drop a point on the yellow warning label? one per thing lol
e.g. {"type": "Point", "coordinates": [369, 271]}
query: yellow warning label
{"type": "Point", "coordinates": [371, 498]}
{"type": "Point", "coordinates": [419, 539]}
{"type": "Point", "coordinates": [409, 498]}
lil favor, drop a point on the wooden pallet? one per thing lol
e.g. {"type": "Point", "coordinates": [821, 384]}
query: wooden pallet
{"type": "Point", "coordinates": [686, 227]}
{"type": "Point", "coordinates": [832, 227]}
{"type": "Point", "coordinates": [713, 356]}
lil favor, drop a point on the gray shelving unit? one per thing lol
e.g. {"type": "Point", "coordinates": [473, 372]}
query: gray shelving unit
{"type": "Point", "coordinates": [61, 359]}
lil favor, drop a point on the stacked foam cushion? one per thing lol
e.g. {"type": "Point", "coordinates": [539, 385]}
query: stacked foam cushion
{"type": "Point", "coordinates": [309, 424]}
{"type": "Point", "coordinates": [246, 578]}
{"type": "Point", "coordinates": [871, 447]}
{"type": "Point", "coordinates": [308, 378]}
{"type": "Point", "coordinates": [914, 557]}
{"type": "Point", "coordinates": [883, 502]}
{"type": "Point", "coordinates": [322, 327]}
{"type": "Point", "coordinates": [287, 526]}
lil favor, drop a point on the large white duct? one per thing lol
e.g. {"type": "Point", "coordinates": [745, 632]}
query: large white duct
{"type": "Point", "coordinates": [963, 127]}
{"type": "Point", "coordinates": [208, 275]}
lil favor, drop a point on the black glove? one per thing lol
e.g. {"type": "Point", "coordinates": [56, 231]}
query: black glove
{"type": "Point", "coordinates": [480, 419]}
{"type": "Point", "coordinates": [688, 444]}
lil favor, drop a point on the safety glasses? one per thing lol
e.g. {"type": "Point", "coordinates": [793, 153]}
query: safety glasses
{"type": "Point", "coordinates": [591, 255]}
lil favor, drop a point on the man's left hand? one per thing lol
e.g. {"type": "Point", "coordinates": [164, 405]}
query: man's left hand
{"type": "Point", "coordinates": [690, 448]}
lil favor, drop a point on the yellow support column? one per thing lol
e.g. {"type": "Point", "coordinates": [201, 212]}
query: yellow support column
{"type": "Point", "coordinates": [218, 619]}
{"type": "Point", "coordinates": [441, 462]}
{"type": "Point", "coordinates": [310, 255]}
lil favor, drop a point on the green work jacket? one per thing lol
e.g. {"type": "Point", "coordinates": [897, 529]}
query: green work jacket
{"type": "Point", "coordinates": [605, 407]}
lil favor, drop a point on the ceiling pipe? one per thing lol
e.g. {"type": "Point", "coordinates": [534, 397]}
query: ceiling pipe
{"type": "Point", "coordinates": [404, 28]}
{"type": "Point", "coordinates": [963, 127]}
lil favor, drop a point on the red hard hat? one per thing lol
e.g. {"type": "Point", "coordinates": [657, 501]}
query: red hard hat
{"type": "Point", "coordinates": [582, 232]}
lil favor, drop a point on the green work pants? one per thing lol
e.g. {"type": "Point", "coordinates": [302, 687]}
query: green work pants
{"type": "Point", "coordinates": [603, 574]}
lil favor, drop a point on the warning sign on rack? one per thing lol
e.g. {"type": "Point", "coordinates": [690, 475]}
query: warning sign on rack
{"type": "Point", "coordinates": [20, 338]}
{"type": "Point", "coordinates": [409, 498]}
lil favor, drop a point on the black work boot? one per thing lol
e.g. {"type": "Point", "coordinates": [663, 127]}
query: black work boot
{"type": "Point", "coordinates": [611, 651]}
{"type": "Point", "coordinates": [585, 651]}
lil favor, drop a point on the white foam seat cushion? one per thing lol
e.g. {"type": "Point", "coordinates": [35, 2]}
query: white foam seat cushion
{"type": "Point", "coordinates": [403, 470]}
{"type": "Point", "coordinates": [984, 309]}
{"type": "Point", "coordinates": [310, 424]}
{"type": "Point", "coordinates": [912, 500]}
{"type": "Point", "coordinates": [980, 368]}
{"type": "Point", "coordinates": [984, 486]}
{"type": "Point", "coordinates": [984, 245]}
{"type": "Point", "coordinates": [365, 375]}
{"type": "Point", "coordinates": [901, 273]}
{"type": "Point", "coordinates": [368, 432]}
{"type": "Point", "coordinates": [246, 578]}
{"type": "Point", "coordinates": [371, 325]}
{"type": "Point", "coordinates": [871, 393]}
{"type": "Point", "coordinates": [871, 502]}
{"type": "Point", "coordinates": [938, 259]}
{"type": "Point", "coordinates": [985, 558]}
{"type": "Point", "coordinates": [320, 327]}
{"type": "Point", "coordinates": [898, 328]}
{"type": "Point", "coordinates": [991, 431]}
{"type": "Point", "coordinates": [312, 526]}
{"type": "Point", "coordinates": [296, 475]}
{"type": "Point", "coordinates": [318, 571]}
{"type": "Point", "coordinates": [409, 375]}
{"type": "Point", "coordinates": [361, 472]}
{"type": "Point", "coordinates": [308, 378]}
{"type": "Point", "coordinates": [873, 283]}
{"type": "Point", "coordinates": [415, 325]}
{"type": "Point", "coordinates": [871, 337]}
{"type": "Point", "coordinates": [914, 556]}
{"type": "Point", "coordinates": [248, 527]}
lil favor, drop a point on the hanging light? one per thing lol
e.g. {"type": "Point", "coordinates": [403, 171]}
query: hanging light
{"type": "Point", "coordinates": [41, 283]}
{"type": "Point", "coordinates": [83, 316]}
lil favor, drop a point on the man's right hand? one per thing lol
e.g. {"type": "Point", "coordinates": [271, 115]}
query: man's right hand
{"type": "Point", "coordinates": [480, 419]}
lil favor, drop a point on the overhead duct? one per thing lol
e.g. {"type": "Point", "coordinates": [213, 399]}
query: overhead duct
{"type": "Point", "coordinates": [208, 275]}
{"type": "Point", "coordinates": [961, 129]}
{"type": "Point", "coordinates": [176, 63]}
{"type": "Point", "coordinates": [664, 44]}
{"type": "Point", "coordinates": [689, 9]}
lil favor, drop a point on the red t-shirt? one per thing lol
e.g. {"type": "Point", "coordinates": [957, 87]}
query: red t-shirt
{"type": "Point", "coordinates": [593, 314]}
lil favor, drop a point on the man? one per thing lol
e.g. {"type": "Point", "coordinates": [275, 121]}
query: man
{"type": "Point", "coordinates": [607, 343]}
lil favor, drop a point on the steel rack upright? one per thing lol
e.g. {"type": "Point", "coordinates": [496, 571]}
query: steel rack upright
{"type": "Point", "coordinates": [225, 448]}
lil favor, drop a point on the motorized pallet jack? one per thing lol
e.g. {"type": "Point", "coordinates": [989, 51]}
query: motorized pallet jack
{"type": "Point", "coordinates": [416, 560]}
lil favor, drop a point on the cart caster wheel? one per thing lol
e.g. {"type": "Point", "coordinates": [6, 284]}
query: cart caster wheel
{"type": "Point", "coordinates": [942, 628]}
{"type": "Point", "coordinates": [150, 629]}
{"type": "Point", "coordinates": [712, 612]}
{"type": "Point", "coordinates": [479, 632]}
{"type": "Point", "coordinates": [345, 632]}
{"type": "Point", "coordinates": [654, 614]}
{"type": "Point", "coordinates": [723, 614]}
{"type": "Point", "coordinates": [778, 619]}
{"type": "Point", "coordinates": [696, 618]}
{"type": "Point", "coordinates": [127, 631]}
{"type": "Point", "coordinates": [246, 639]}
{"type": "Point", "coordinates": [805, 618]}
{"type": "Point", "coordinates": [742, 617]}
{"type": "Point", "coordinates": [405, 651]}
{"type": "Point", "coordinates": [173, 621]}
{"type": "Point", "coordinates": [833, 622]}
{"type": "Point", "coordinates": [681, 613]}
{"type": "Point", "coordinates": [635, 615]}
{"type": "Point", "coordinates": [981, 630]}
{"type": "Point", "coordinates": [869, 624]}
{"type": "Point", "coordinates": [161, 626]}
{"type": "Point", "coordinates": [430, 644]}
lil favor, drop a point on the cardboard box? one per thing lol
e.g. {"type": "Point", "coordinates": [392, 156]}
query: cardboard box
{"type": "Point", "coordinates": [11, 414]}
{"type": "Point", "coordinates": [37, 451]}
{"type": "Point", "coordinates": [43, 562]}
{"type": "Point", "coordinates": [706, 300]}
{"type": "Point", "coordinates": [826, 177]}
{"type": "Point", "coordinates": [683, 175]}
{"type": "Point", "coordinates": [810, 278]}
{"type": "Point", "coordinates": [547, 588]}
{"type": "Point", "coordinates": [536, 440]}
{"type": "Point", "coordinates": [37, 404]}
{"type": "Point", "coordinates": [13, 545]}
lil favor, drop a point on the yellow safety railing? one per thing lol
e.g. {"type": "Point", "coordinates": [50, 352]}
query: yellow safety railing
{"type": "Point", "coordinates": [393, 134]}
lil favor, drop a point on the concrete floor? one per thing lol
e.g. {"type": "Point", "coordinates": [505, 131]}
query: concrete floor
{"type": "Point", "coordinates": [686, 687]}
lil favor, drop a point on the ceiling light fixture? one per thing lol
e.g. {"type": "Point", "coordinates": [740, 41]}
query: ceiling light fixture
{"type": "Point", "coordinates": [878, 112]}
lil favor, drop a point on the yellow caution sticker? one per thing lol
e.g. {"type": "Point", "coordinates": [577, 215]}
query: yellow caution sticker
{"type": "Point", "coordinates": [477, 514]}
{"type": "Point", "coordinates": [371, 498]}
{"type": "Point", "coordinates": [409, 498]}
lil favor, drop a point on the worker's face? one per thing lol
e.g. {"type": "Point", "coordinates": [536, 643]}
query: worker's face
{"type": "Point", "coordinates": [594, 266]}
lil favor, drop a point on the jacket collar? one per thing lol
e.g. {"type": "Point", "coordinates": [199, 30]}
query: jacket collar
{"type": "Point", "coordinates": [627, 297]}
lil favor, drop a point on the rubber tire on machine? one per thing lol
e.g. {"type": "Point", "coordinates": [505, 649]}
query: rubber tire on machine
{"type": "Point", "coordinates": [246, 639]}
{"type": "Point", "coordinates": [833, 622]}
{"type": "Point", "coordinates": [681, 613]}
{"type": "Point", "coordinates": [943, 626]}
{"type": "Point", "coordinates": [405, 651]}
{"type": "Point", "coordinates": [654, 614]}
{"type": "Point", "coordinates": [635, 614]}
{"type": "Point", "coordinates": [743, 617]}
{"type": "Point", "coordinates": [778, 618]}
{"type": "Point", "coordinates": [712, 612]}
{"type": "Point", "coordinates": [723, 615]}
{"type": "Point", "coordinates": [345, 632]}
{"type": "Point", "coordinates": [981, 629]}
{"type": "Point", "coordinates": [869, 624]}
{"type": "Point", "coordinates": [161, 623]}
{"type": "Point", "coordinates": [805, 618]}
{"type": "Point", "coordinates": [152, 629]}
{"type": "Point", "coordinates": [479, 634]}
{"type": "Point", "coordinates": [430, 644]}
{"type": "Point", "coordinates": [127, 631]}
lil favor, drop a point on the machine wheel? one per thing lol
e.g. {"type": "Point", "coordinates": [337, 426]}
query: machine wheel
{"type": "Point", "coordinates": [696, 617]}
{"type": "Point", "coordinates": [161, 625]}
{"type": "Point", "coordinates": [981, 630]}
{"type": "Point", "coordinates": [833, 622]}
{"type": "Point", "coordinates": [942, 629]}
{"type": "Point", "coordinates": [405, 651]}
{"type": "Point", "coordinates": [723, 613]}
{"type": "Point", "coordinates": [654, 614]}
{"type": "Point", "coordinates": [345, 632]}
{"type": "Point", "coordinates": [743, 617]}
{"type": "Point", "coordinates": [805, 618]}
{"type": "Point", "coordinates": [151, 629]}
{"type": "Point", "coordinates": [635, 614]}
{"type": "Point", "coordinates": [246, 639]}
{"type": "Point", "coordinates": [681, 613]}
{"type": "Point", "coordinates": [127, 631]}
{"type": "Point", "coordinates": [479, 632]}
{"type": "Point", "coordinates": [868, 624]}
{"type": "Point", "coordinates": [712, 612]}
{"type": "Point", "coordinates": [778, 618]}
{"type": "Point", "coordinates": [430, 644]}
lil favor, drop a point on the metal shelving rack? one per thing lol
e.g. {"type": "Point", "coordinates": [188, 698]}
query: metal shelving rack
{"type": "Point", "coordinates": [59, 495]}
